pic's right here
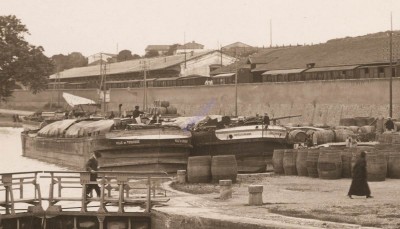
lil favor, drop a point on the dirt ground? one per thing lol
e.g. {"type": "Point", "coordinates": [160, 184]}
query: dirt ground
{"type": "Point", "coordinates": [306, 198]}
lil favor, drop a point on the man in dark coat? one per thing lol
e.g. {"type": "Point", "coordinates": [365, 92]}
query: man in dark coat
{"type": "Point", "coordinates": [389, 124]}
{"type": "Point", "coordinates": [136, 112]}
{"type": "Point", "coordinates": [92, 166]}
{"type": "Point", "coordinates": [266, 120]}
{"type": "Point", "coordinates": [359, 185]}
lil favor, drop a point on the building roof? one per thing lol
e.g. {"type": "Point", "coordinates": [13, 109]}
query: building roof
{"type": "Point", "coordinates": [191, 45]}
{"type": "Point", "coordinates": [237, 45]}
{"type": "Point", "coordinates": [332, 68]}
{"type": "Point", "coordinates": [368, 49]}
{"type": "Point", "coordinates": [284, 71]}
{"type": "Point", "coordinates": [225, 75]}
{"type": "Point", "coordinates": [346, 51]}
{"type": "Point", "coordinates": [260, 68]}
{"type": "Point", "coordinates": [232, 67]}
{"type": "Point", "coordinates": [157, 47]}
{"type": "Point", "coordinates": [130, 66]}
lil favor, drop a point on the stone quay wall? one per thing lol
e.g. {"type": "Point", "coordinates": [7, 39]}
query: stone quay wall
{"type": "Point", "coordinates": [319, 102]}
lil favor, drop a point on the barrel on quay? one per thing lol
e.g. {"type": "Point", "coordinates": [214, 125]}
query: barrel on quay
{"type": "Point", "coordinates": [301, 162]}
{"type": "Point", "coordinates": [277, 161]}
{"type": "Point", "coordinates": [199, 169]}
{"type": "Point", "coordinates": [289, 161]}
{"type": "Point", "coordinates": [312, 162]}
{"type": "Point", "coordinates": [330, 164]}
{"type": "Point", "coordinates": [224, 168]}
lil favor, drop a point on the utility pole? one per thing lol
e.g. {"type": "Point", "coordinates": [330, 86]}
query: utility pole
{"type": "Point", "coordinates": [236, 88]}
{"type": "Point", "coordinates": [104, 88]}
{"type": "Point", "coordinates": [221, 53]}
{"type": "Point", "coordinates": [144, 86]}
{"type": "Point", "coordinates": [184, 45]}
{"type": "Point", "coordinates": [391, 68]}
{"type": "Point", "coordinates": [270, 33]}
{"type": "Point", "coordinates": [58, 88]}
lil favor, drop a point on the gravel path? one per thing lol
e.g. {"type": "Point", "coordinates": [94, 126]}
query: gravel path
{"type": "Point", "coordinates": [295, 200]}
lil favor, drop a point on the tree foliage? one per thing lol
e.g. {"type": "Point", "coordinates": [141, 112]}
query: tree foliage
{"type": "Point", "coordinates": [172, 50]}
{"type": "Point", "coordinates": [72, 60]}
{"type": "Point", "coordinates": [151, 53]}
{"type": "Point", "coordinates": [124, 55]}
{"type": "Point", "coordinates": [20, 62]}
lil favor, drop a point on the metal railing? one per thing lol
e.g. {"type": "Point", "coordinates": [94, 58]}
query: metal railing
{"type": "Point", "coordinates": [131, 188]}
{"type": "Point", "coordinates": [19, 179]}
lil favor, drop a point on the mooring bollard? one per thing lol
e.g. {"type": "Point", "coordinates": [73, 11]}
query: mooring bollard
{"type": "Point", "coordinates": [255, 195]}
{"type": "Point", "coordinates": [181, 176]}
{"type": "Point", "coordinates": [225, 190]}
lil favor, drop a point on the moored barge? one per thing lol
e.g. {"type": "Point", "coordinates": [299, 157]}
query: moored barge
{"type": "Point", "coordinates": [70, 142]}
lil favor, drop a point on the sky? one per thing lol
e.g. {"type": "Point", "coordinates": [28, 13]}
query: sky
{"type": "Point", "coordinates": [93, 26]}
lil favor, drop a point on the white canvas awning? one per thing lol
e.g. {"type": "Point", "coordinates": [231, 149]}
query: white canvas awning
{"type": "Point", "coordinates": [284, 71]}
{"type": "Point", "coordinates": [224, 75]}
{"type": "Point", "coordinates": [74, 100]}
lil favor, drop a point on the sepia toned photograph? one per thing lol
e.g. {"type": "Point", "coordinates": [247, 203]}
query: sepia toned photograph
{"type": "Point", "coordinates": [199, 114]}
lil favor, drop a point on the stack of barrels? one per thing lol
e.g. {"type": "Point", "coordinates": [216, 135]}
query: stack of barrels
{"type": "Point", "coordinates": [205, 169]}
{"type": "Point", "coordinates": [162, 108]}
{"type": "Point", "coordinates": [383, 160]}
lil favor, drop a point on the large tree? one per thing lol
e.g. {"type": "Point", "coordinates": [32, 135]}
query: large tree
{"type": "Point", "coordinates": [20, 62]}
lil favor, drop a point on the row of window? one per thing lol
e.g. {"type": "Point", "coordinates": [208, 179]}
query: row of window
{"type": "Point", "coordinates": [376, 72]}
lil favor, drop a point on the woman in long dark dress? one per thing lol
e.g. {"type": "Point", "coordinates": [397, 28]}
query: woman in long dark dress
{"type": "Point", "coordinates": [359, 185]}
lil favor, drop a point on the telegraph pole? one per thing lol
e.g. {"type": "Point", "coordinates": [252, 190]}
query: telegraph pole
{"type": "Point", "coordinates": [236, 88]}
{"type": "Point", "coordinates": [144, 86]}
{"type": "Point", "coordinates": [270, 33]}
{"type": "Point", "coordinates": [391, 68]}
{"type": "Point", "coordinates": [104, 88]}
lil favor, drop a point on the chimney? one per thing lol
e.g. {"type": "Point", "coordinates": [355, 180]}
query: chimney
{"type": "Point", "coordinates": [310, 65]}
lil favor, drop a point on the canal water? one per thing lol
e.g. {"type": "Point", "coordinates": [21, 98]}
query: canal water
{"type": "Point", "coordinates": [11, 154]}
{"type": "Point", "coordinates": [12, 161]}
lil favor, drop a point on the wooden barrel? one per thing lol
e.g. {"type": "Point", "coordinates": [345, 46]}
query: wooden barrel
{"type": "Point", "coordinates": [312, 162]}
{"type": "Point", "coordinates": [301, 162]}
{"type": "Point", "coordinates": [386, 137]}
{"type": "Point", "coordinates": [354, 129]}
{"type": "Point", "coordinates": [367, 129]}
{"type": "Point", "coordinates": [342, 134]}
{"type": "Point", "coordinates": [172, 110]}
{"type": "Point", "coordinates": [289, 162]}
{"type": "Point", "coordinates": [199, 169]}
{"type": "Point", "coordinates": [386, 149]}
{"type": "Point", "coordinates": [330, 164]}
{"type": "Point", "coordinates": [224, 167]}
{"type": "Point", "coordinates": [397, 126]}
{"type": "Point", "coordinates": [379, 125]}
{"type": "Point", "coordinates": [376, 166]}
{"type": "Point", "coordinates": [346, 162]}
{"type": "Point", "coordinates": [277, 161]}
{"type": "Point", "coordinates": [164, 104]}
{"type": "Point", "coordinates": [297, 136]}
{"type": "Point", "coordinates": [396, 138]}
{"type": "Point", "coordinates": [394, 165]}
{"type": "Point", "coordinates": [323, 136]}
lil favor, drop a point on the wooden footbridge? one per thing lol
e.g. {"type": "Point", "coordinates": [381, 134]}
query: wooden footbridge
{"type": "Point", "coordinates": [125, 201]}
